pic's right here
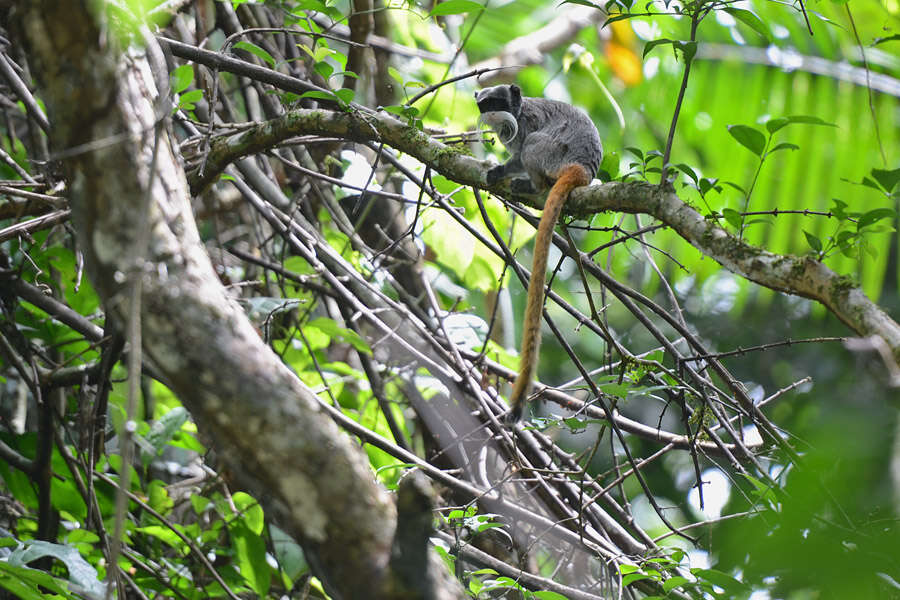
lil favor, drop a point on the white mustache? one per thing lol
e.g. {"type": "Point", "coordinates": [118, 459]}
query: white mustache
{"type": "Point", "coordinates": [502, 122]}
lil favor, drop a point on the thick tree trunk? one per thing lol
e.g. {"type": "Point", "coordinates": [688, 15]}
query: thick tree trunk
{"type": "Point", "coordinates": [130, 205]}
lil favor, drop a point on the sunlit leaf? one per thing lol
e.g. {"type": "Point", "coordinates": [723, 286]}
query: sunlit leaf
{"type": "Point", "coordinates": [749, 137]}
{"type": "Point", "coordinates": [455, 7]}
{"type": "Point", "coordinates": [181, 78]}
{"type": "Point", "coordinates": [256, 51]}
{"type": "Point", "coordinates": [750, 19]}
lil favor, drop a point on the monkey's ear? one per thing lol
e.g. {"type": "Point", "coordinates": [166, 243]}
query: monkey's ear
{"type": "Point", "coordinates": [515, 99]}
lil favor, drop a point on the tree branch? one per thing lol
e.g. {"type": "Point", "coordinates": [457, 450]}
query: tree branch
{"type": "Point", "coordinates": [797, 275]}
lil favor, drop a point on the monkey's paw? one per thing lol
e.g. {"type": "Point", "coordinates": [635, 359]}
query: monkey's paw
{"type": "Point", "coordinates": [494, 175]}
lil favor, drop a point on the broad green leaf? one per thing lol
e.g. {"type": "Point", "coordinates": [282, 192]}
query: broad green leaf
{"type": "Point", "coordinates": [250, 553]}
{"type": "Point", "coordinates": [165, 534]}
{"type": "Point", "coordinates": [733, 217]}
{"type": "Point", "coordinates": [251, 511]}
{"type": "Point", "coordinates": [548, 595]}
{"type": "Point", "coordinates": [188, 100]}
{"type": "Point", "coordinates": [164, 429]}
{"type": "Point", "coordinates": [773, 125]}
{"type": "Point", "coordinates": [887, 179]}
{"type": "Point", "coordinates": [687, 170]}
{"type": "Point", "coordinates": [81, 573]}
{"type": "Point", "coordinates": [635, 151]}
{"type": "Point", "coordinates": [749, 137]}
{"type": "Point", "coordinates": [320, 95]}
{"type": "Point", "coordinates": [332, 329]}
{"type": "Point", "coordinates": [64, 496]}
{"type": "Point", "coordinates": [873, 216]}
{"type": "Point", "coordinates": [629, 579]}
{"type": "Point", "coordinates": [750, 19]}
{"type": "Point", "coordinates": [455, 7]}
{"type": "Point", "coordinates": [181, 78]}
{"type": "Point", "coordinates": [288, 553]}
{"type": "Point", "coordinates": [256, 51]}
{"type": "Point", "coordinates": [324, 69]}
{"type": "Point", "coordinates": [346, 95]}
{"type": "Point", "coordinates": [30, 584]}
{"type": "Point", "coordinates": [709, 183]}
{"type": "Point", "coordinates": [838, 207]}
{"type": "Point", "coordinates": [674, 582]}
{"type": "Point", "coordinates": [723, 580]}
{"type": "Point", "coordinates": [654, 43]}
{"type": "Point", "coordinates": [814, 242]}
{"type": "Point", "coordinates": [689, 49]}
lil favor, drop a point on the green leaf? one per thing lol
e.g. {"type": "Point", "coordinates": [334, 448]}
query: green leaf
{"type": "Point", "coordinates": [27, 583]}
{"type": "Point", "coordinates": [332, 329]}
{"type": "Point", "coordinates": [723, 580]}
{"type": "Point", "coordinates": [886, 179]}
{"type": "Point", "coordinates": [636, 151]}
{"type": "Point", "coordinates": [890, 38]}
{"type": "Point", "coordinates": [320, 95]}
{"type": "Point", "coordinates": [687, 170]}
{"type": "Point", "coordinates": [256, 51]}
{"type": "Point", "coordinates": [250, 553]}
{"type": "Point", "coordinates": [654, 43]}
{"type": "Point", "coordinates": [773, 125]}
{"type": "Point", "coordinates": [251, 511]}
{"type": "Point", "coordinates": [871, 184]}
{"type": "Point", "coordinates": [629, 579]}
{"type": "Point", "coordinates": [749, 137]}
{"type": "Point", "coordinates": [165, 428]}
{"type": "Point", "coordinates": [188, 100]}
{"type": "Point", "coordinates": [784, 146]}
{"type": "Point", "coordinates": [64, 496]}
{"type": "Point", "coordinates": [181, 77]}
{"type": "Point", "coordinates": [709, 183]}
{"type": "Point", "coordinates": [455, 7]}
{"type": "Point", "coordinates": [749, 19]}
{"type": "Point", "coordinates": [345, 95]}
{"type": "Point", "coordinates": [674, 582]}
{"type": "Point", "coordinates": [324, 69]}
{"type": "Point", "coordinates": [81, 573]}
{"type": "Point", "coordinates": [163, 533]}
{"type": "Point", "coordinates": [548, 595]}
{"type": "Point", "coordinates": [873, 216]}
{"type": "Point", "coordinates": [838, 209]}
{"type": "Point", "coordinates": [814, 242]}
{"type": "Point", "coordinates": [732, 217]}
{"type": "Point", "coordinates": [688, 49]}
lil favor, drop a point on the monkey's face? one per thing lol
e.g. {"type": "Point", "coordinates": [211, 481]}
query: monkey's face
{"type": "Point", "coordinates": [500, 106]}
{"type": "Point", "coordinates": [500, 98]}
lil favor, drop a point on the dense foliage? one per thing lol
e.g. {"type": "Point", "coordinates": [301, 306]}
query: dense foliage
{"type": "Point", "coordinates": [721, 416]}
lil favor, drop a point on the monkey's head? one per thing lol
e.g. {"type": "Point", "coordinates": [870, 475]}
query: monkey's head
{"type": "Point", "coordinates": [500, 107]}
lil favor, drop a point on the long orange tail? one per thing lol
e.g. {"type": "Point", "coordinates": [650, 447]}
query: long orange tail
{"type": "Point", "coordinates": [570, 177]}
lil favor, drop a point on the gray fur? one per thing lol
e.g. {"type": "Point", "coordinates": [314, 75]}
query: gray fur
{"type": "Point", "coordinates": [549, 136]}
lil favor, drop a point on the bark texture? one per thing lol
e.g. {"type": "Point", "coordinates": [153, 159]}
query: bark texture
{"type": "Point", "coordinates": [130, 205]}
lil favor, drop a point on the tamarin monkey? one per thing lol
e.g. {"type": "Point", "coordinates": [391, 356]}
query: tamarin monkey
{"type": "Point", "coordinates": [552, 145]}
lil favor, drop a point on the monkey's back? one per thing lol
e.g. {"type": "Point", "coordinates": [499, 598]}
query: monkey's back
{"type": "Point", "coordinates": [571, 136]}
